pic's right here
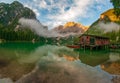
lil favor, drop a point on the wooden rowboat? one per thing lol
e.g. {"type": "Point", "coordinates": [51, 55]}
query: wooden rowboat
{"type": "Point", "coordinates": [73, 46]}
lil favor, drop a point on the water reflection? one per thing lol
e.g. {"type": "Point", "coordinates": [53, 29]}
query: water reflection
{"type": "Point", "coordinates": [47, 50]}
{"type": "Point", "coordinates": [54, 64]}
{"type": "Point", "coordinates": [58, 67]}
{"type": "Point", "coordinates": [113, 64]}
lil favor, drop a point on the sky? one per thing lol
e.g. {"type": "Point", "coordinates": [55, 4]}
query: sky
{"type": "Point", "coordinates": [53, 13]}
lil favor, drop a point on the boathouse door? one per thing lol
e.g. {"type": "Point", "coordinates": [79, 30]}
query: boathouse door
{"type": "Point", "coordinates": [92, 41]}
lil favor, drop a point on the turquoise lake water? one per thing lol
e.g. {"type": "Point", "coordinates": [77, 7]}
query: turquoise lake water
{"type": "Point", "coordinates": [25, 62]}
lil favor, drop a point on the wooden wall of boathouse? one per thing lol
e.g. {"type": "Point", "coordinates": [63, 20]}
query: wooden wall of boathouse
{"type": "Point", "coordinates": [93, 41]}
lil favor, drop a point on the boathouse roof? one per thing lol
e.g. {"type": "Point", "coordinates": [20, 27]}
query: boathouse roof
{"type": "Point", "coordinates": [94, 36]}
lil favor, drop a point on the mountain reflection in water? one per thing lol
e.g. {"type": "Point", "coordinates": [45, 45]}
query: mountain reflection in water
{"type": "Point", "coordinates": [54, 64]}
{"type": "Point", "coordinates": [113, 64]}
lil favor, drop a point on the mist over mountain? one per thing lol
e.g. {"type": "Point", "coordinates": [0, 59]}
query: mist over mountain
{"type": "Point", "coordinates": [107, 25]}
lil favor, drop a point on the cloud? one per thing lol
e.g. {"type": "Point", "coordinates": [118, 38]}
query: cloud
{"type": "Point", "coordinates": [42, 4]}
{"type": "Point", "coordinates": [78, 9]}
{"type": "Point", "coordinates": [34, 0]}
{"type": "Point", "coordinates": [108, 27]}
{"type": "Point", "coordinates": [58, 12]}
{"type": "Point", "coordinates": [37, 27]}
{"type": "Point", "coordinates": [75, 10]}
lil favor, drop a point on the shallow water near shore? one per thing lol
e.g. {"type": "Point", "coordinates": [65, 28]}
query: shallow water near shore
{"type": "Point", "coordinates": [25, 62]}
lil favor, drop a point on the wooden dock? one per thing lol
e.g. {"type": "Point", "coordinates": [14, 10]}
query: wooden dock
{"type": "Point", "coordinates": [94, 47]}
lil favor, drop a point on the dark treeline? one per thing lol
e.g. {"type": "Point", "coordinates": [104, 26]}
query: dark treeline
{"type": "Point", "coordinates": [9, 34]}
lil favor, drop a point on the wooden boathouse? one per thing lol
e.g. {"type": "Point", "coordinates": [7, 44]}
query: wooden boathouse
{"type": "Point", "coordinates": [93, 41]}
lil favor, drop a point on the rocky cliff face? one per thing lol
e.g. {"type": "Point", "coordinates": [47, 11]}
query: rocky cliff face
{"type": "Point", "coordinates": [110, 14]}
{"type": "Point", "coordinates": [71, 27]}
{"type": "Point", "coordinates": [73, 24]}
{"type": "Point", "coordinates": [11, 13]}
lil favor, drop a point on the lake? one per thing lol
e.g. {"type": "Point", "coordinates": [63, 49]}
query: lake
{"type": "Point", "coordinates": [25, 62]}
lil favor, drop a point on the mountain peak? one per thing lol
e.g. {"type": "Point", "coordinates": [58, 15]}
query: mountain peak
{"type": "Point", "coordinates": [74, 24]}
{"type": "Point", "coordinates": [110, 14]}
{"type": "Point", "coordinates": [69, 24]}
{"type": "Point", "coordinates": [16, 3]}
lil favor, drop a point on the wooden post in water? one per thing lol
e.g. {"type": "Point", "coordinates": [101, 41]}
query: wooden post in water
{"type": "Point", "coordinates": [91, 48]}
{"type": "Point", "coordinates": [84, 47]}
